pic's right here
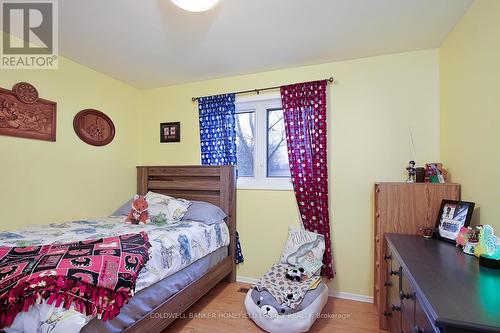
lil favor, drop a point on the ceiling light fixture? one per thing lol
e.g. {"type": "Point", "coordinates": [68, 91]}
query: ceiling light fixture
{"type": "Point", "coordinates": [195, 5]}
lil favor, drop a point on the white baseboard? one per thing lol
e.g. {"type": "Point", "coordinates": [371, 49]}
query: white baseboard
{"type": "Point", "coordinates": [352, 297]}
{"type": "Point", "coordinates": [331, 293]}
{"type": "Point", "coordinates": [245, 279]}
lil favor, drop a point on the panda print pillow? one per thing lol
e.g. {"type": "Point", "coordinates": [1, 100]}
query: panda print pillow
{"type": "Point", "coordinates": [302, 244]}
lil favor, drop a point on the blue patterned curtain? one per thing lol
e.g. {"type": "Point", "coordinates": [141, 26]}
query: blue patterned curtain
{"type": "Point", "coordinates": [218, 137]}
{"type": "Point", "coordinates": [217, 130]}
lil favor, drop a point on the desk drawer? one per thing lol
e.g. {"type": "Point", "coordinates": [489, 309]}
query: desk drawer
{"type": "Point", "coordinates": [413, 316]}
{"type": "Point", "coordinates": [422, 323]}
{"type": "Point", "coordinates": [392, 285]}
{"type": "Point", "coordinates": [407, 297]}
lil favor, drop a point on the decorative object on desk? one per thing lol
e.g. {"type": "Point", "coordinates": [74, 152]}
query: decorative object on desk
{"type": "Point", "coordinates": [472, 242]}
{"type": "Point", "coordinates": [453, 215]}
{"type": "Point", "coordinates": [412, 172]}
{"type": "Point", "coordinates": [170, 132]}
{"type": "Point", "coordinates": [488, 249]}
{"type": "Point", "coordinates": [435, 173]}
{"type": "Point", "coordinates": [463, 236]}
{"type": "Point", "coordinates": [426, 232]}
{"type": "Point", "coordinates": [467, 238]}
{"type": "Point", "coordinates": [94, 127]}
{"type": "Point", "coordinates": [23, 114]}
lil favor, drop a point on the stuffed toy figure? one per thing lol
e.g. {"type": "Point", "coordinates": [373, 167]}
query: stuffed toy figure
{"type": "Point", "coordinates": [295, 274]}
{"type": "Point", "coordinates": [139, 212]}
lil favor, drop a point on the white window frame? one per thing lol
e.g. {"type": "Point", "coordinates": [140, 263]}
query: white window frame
{"type": "Point", "coordinates": [260, 104]}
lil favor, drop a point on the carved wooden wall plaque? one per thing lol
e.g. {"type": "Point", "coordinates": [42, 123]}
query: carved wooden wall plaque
{"type": "Point", "coordinates": [94, 127]}
{"type": "Point", "coordinates": [24, 114]}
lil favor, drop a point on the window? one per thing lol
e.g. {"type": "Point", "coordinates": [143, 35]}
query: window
{"type": "Point", "coordinates": [261, 143]}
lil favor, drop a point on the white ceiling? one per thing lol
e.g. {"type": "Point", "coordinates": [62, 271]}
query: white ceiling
{"type": "Point", "coordinates": [152, 43]}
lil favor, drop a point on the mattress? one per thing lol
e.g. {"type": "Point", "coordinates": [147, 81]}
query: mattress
{"type": "Point", "coordinates": [149, 298]}
{"type": "Point", "coordinates": [174, 246]}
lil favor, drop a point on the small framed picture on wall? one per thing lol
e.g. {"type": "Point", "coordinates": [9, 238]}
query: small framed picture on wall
{"type": "Point", "coordinates": [170, 132]}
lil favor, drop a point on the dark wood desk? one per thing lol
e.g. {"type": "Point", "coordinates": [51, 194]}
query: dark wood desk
{"type": "Point", "coordinates": [432, 286]}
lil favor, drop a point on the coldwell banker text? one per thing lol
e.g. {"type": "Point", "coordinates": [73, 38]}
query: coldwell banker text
{"type": "Point", "coordinates": [30, 39]}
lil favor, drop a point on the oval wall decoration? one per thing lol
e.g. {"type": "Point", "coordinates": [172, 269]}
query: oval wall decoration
{"type": "Point", "coordinates": [94, 127]}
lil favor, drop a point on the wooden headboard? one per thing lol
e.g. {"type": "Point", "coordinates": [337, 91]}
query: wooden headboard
{"type": "Point", "coordinates": [215, 184]}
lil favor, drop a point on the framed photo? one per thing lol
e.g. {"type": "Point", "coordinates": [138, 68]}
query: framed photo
{"type": "Point", "coordinates": [170, 132]}
{"type": "Point", "coordinates": [453, 215]}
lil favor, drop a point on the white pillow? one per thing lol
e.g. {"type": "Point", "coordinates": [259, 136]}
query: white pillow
{"type": "Point", "coordinates": [166, 208]}
{"type": "Point", "coordinates": [300, 244]}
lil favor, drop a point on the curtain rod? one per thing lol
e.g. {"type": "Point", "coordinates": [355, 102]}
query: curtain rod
{"type": "Point", "coordinates": [257, 91]}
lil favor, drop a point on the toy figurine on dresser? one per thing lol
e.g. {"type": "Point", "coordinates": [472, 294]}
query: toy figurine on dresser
{"type": "Point", "coordinates": [468, 239]}
{"type": "Point", "coordinates": [412, 172]}
{"type": "Point", "coordinates": [435, 173]}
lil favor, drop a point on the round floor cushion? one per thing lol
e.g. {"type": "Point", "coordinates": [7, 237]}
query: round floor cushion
{"type": "Point", "coordinates": [263, 309]}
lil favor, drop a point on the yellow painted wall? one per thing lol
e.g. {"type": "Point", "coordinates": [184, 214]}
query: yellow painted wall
{"type": "Point", "coordinates": [370, 109]}
{"type": "Point", "coordinates": [470, 107]}
{"type": "Point", "coordinates": [42, 182]}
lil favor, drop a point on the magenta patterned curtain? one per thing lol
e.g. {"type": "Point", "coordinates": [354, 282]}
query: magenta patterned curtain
{"type": "Point", "coordinates": [304, 106]}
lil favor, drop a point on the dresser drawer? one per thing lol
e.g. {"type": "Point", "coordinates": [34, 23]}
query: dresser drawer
{"type": "Point", "coordinates": [393, 285]}
{"type": "Point", "coordinates": [413, 317]}
{"type": "Point", "coordinates": [422, 323]}
{"type": "Point", "coordinates": [407, 297]}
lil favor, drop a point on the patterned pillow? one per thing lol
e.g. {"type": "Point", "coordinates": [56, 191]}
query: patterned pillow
{"type": "Point", "coordinates": [163, 208]}
{"type": "Point", "coordinates": [300, 244]}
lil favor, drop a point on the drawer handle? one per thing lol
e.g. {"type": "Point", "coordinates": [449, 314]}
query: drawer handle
{"type": "Point", "coordinates": [394, 272]}
{"type": "Point", "coordinates": [387, 257]}
{"type": "Point", "coordinates": [403, 295]}
{"type": "Point", "coordinates": [396, 308]}
{"type": "Point", "coordinates": [388, 284]}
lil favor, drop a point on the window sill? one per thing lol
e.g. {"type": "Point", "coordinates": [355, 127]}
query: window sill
{"type": "Point", "coordinates": [269, 184]}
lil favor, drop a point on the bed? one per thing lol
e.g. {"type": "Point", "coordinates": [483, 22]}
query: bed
{"type": "Point", "coordinates": [167, 295]}
{"type": "Point", "coordinates": [214, 184]}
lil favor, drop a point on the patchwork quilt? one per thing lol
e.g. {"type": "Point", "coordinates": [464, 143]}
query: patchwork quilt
{"type": "Point", "coordinates": [174, 246]}
{"type": "Point", "coordinates": [96, 276]}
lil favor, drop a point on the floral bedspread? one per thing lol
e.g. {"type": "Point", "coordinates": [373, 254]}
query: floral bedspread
{"type": "Point", "coordinates": [173, 246]}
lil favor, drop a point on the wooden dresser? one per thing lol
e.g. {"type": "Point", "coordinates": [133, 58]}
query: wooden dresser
{"type": "Point", "coordinates": [435, 287]}
{"type": "Point", "coordinates": [403, 208]}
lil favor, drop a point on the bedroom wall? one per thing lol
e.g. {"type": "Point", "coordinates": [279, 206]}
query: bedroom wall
{"type": "Point", "coordinates": [371, 106]}
{"type": "Point", "coordinates": [470, 103]}
{"type": "Point", "coordinates": [44, 182]}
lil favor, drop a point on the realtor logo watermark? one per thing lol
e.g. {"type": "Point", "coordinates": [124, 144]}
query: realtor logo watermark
{"type": "Point", "coordinates": [30, 39]}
